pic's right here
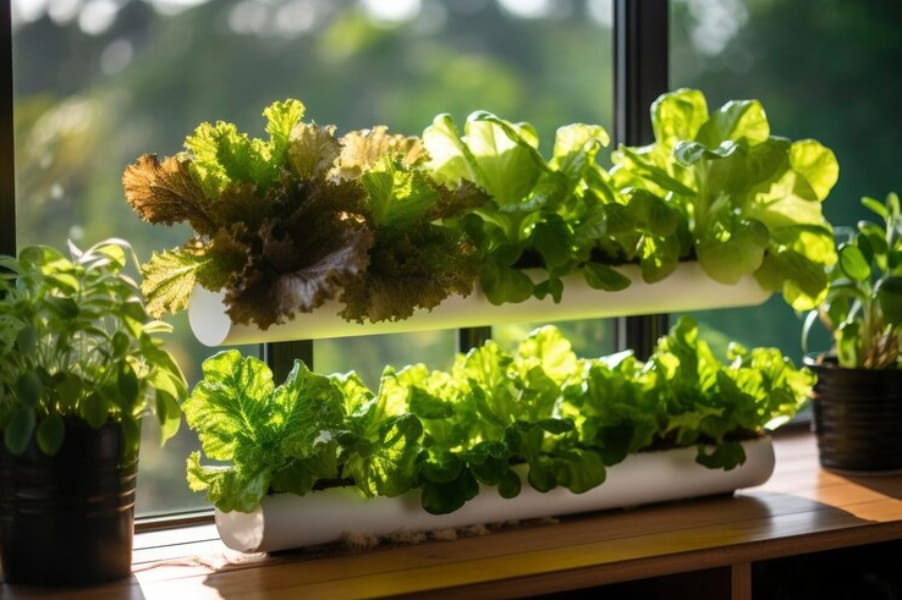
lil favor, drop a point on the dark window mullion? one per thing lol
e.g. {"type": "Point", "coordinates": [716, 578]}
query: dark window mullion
{"type": "Point", "coordinates": [280, 356]}
{"type": "Point", "coordinates": [640, 76]}
{"type": "Point", "coordinates": [472, 337]}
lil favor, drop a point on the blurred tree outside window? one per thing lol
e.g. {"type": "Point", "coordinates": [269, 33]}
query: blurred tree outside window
{"type": "Point", "coordinates": [99, 82]}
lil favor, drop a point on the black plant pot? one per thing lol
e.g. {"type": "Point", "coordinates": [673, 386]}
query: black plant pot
{"type": "Point", "coordinates": [68, 519]}
{"type": "Point", "coordinates": [858, 417]}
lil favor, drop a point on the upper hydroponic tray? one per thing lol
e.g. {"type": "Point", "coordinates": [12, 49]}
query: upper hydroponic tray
{"type": "Point", "coordinates": [381, 229]}
{"type": "Point", "coordinates": [688, 288]}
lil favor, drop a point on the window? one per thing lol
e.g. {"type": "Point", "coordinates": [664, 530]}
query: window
{"type": "Point", "coordinates": [99, 82]}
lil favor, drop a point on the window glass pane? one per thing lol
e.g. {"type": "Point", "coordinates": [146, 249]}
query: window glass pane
{"type": "Point", "coordinates": [99, 83]}
{"type": "Point", "coordinates": [823, 70]}
{"type": "Point", "coordinates": [590, 337]}
{"type": "Point", "coordinates": [369, 355]}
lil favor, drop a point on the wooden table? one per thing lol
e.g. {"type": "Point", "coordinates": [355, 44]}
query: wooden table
{"type": "Point", "coordinates": [713, 547]}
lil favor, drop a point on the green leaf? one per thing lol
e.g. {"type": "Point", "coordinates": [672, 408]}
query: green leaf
{"type": "Point", "coordinates": [17, 433]}
{"type": "Point", "coordinates": [398, 198]}
{"type": "Point", "coordinates": [734, 121]}
{"type": "Point", "coordinates": [169, 415]}
{"type": "Point", "coordinates": [876, 207]}
{"type": "Point", "coordinates": [726, 456]}
{"type": "Point", "coordinates": [889, 296]}
{"type": "Point", "coordinates": [575, 148]}
{"type": "Point", "coordinates": [426, 406]}
{"type": "Point", "coordinates": [95, 409]}
{"type": "Point", "coordinates": [817, 164]}
{"type": "Point", "coordinates": [579, 470]}
{"type": "Point", "coordinates": [509, 486]}
{"type": "Point", "coordinates": [441, 467]}
{"type": "Point", "coordinates": [169, 279]}
{"type": "Point", "coordinates": [120, 344]}
{"type": "Point", "coordinates": [450, 159]}
{"type": "Point", "coordinates": [495, 155]}
{"type": "Point", "coordinates": [50, 434]}
{"type": "Point", "coordinates": [29, 388]}
{"type": "Point", "coordinates": [220, 155]}
{"type": "Point", "coordinates": [848, 347]}
{"type": "Point", "coordinates": [729, 250]}
{"type": "Point", "coordinates": [227, 406]}
{"type": "Point", "coordinates": [853, 263]}
{"type": "Point", "coordinates": [127, 385]}
{"type": "Point", "coordinates": [69, 390]}
{"type": "Point", "coordinates": [503, 284]}
{"type": "Point", "coordinates": [551, 240]}
{"type": "Point", "coordinates": [678, 115]}
{"type": "Point", "coordinates": [443, 498]}
{"type": "Point", "coordinates": [26, 339]}
{"type": "Point", "coordinates": [603, 277]}
{"type": "Point", "coordinates": [281, 118]}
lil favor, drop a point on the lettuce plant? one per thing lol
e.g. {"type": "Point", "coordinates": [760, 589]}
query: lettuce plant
{"type": "Point", "coordinates": [287, 223]}
{"type": "Point", "coordinates": [562, 419]}
{"type": "Point", "coordinates": [547, 214]}
{"type": "Point", "coordinates": [750, 201]}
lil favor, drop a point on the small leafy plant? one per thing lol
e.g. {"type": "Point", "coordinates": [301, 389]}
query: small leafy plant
{"type": "Point", "coordinates": [863, 308]}
{"type": "Point", "coordinates": [77, 343]}
{"type": "Point", "coordinates": [563, 419]}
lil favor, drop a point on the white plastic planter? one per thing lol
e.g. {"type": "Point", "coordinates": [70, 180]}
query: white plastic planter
{"type": "Point", "coordinates": [688, 288]}
{"type": "Point", "coordinates": [285, 521]}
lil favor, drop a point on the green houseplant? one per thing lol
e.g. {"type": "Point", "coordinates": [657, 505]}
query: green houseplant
{"type": "Point", "coordinates": [80, 364]}
{"type": "Point", "coordinates": [858, 398]}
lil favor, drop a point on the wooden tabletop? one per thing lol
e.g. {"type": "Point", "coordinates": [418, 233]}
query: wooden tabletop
{"type": "Point", "coordinates": [803, 508]}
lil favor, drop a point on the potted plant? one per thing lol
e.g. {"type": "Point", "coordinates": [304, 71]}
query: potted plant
{"type": "Point", "coordinates": [80, 363]}
{"type": "Point", "coordinates": [501, 435]}
{"type": "Point", "coordinates": [858, 397]}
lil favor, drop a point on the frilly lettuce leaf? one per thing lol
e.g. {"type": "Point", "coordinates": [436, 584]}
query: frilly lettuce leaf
{"type": "Point", "coordinates": [282, 437]}
{"type": "Point", "coordinates": [416, 260]}
{"type": "Point", "coordinates": [164, 192]}
{"type": "Point", "coordinates": [302, 259]}
{"type": "Point", "coordinates": [312, 150]}
{"type": "Point", "coordinates": [170, 276]}
{"type": "Point", "coordinates": [221, 155]}
{"type": "Point", "coordinates": [361, 150]}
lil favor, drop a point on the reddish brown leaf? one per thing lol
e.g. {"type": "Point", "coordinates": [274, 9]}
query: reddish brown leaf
{"type": "Point", "coordinates": [164, 192]}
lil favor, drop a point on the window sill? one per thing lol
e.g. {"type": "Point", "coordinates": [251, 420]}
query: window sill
{"type": "Point", "coordinates": [802, 509]}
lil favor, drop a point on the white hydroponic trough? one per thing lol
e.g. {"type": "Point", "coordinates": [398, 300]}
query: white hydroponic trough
{"type": "Point", "coordinates": [687, 288]}
{"type": "Point", "coordinates": [285, 521]}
